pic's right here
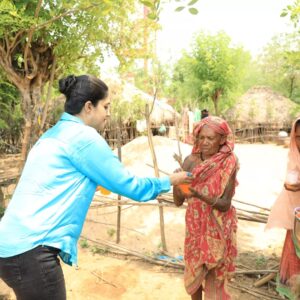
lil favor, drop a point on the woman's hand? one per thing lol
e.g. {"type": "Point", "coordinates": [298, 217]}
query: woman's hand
{"type": "Point", "coordinates": [181, 177]}
{"type": "Point", "coordinates": [196, 194]}
{"type": "Point", "coordinates": [292, 187]}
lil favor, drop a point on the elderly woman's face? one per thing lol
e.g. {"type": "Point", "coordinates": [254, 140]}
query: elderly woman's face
{"type": "Point", "coordinates": [209, 141]}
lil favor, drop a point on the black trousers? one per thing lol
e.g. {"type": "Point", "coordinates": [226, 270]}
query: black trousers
{"type": "Point", "coordinates": [35, 274]}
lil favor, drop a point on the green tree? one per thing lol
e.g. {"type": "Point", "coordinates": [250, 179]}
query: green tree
{"type": "Point", "coordinates": [210, 71]}
{"type": "Point", "coordinates": [10, 117]}
{"type": "Point", "coordinates": [279, 65]}
{"type": "Point", "coordinates": [293, 11]}
{"type": "Point", "coordinates": [41, 40]}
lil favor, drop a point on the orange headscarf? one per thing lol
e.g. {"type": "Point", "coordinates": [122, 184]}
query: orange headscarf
{"type": "Point", "coordinates": [212, 175]}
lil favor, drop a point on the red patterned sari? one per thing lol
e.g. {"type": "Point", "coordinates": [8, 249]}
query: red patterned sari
{"type": "Point", "coordinates": [210, 241]}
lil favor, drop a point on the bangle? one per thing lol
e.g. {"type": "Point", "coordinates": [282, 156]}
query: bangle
{"type": "Point", "coordinates": [214, 202]}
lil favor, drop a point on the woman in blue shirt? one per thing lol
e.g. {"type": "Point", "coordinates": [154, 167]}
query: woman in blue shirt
{"type": "Point", "coordinates": [45, 216]}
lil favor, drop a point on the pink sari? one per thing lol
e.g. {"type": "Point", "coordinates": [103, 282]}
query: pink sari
{"type": "Point", "coordinates": [210, 241]}
{"type": "Point", "coordinates": [282, 216]}
{"type": "Point", "coordinates": [282, 212]}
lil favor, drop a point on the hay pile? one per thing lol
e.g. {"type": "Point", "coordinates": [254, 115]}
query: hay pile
{"type": "Point", "coordinates": [136, 155]}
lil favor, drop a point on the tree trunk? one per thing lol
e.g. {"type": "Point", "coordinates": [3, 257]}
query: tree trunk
{"type": "Point", "coordinates": [215, 99]}
{"type": "Point", "coordinates": [292, 80]}
{"type": "Point", "coordinates": [31, 104]}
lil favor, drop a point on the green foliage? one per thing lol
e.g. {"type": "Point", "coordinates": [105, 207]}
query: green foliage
{"type": "Point", "coordinates": [212, 70]}
{"type": "Point", "coordinates": [293, 11]}
{"type": "Point", "coordinates": [77, 33]}
{"type": "Point", "coordinates": [279, 66]}
{"type": "Point", "coordinates": [84, 243]}
{"type": "Point", "coordinates": [2, 210]}
{"type": "Point", "coordinates": [99, 250]}
{"type": "Point", "coordinates": [261, 262]}
{"type": "Point", "coordinates": [11, 118]}
{"type": "Point", "coordinates": [188, 5]}
{"type": "Point", "coordinates": [111, 232]}
{"type": "Point", "coordinates": [128, 111]}
{"type": "Point", "coordinates": [156, 79]}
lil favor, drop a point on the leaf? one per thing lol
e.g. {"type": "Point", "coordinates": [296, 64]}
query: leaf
{"type": "Point", "coordinates": [193, 10]}
{"type": "Point", "coordinates": [180, 8]}
{"type": "Point", "coordinates": [152, 16]}
{"type": "Point", "coordinates": [283, 14]}
{"type": "Point", "coordinates": [147, 3]}
{"type": "Point", "coordinates": [192, 2]}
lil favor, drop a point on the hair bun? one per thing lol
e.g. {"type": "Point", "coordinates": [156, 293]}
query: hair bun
{"type": "Point", "coordinates": [65, 84]}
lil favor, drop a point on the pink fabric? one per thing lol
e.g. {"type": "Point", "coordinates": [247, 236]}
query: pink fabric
{"type": "Point", "coordinates": [282, 212]}
{"type": "Point", "coordinates": [215, 290]}
{"type": "Point", "coordinates": [290, 263]}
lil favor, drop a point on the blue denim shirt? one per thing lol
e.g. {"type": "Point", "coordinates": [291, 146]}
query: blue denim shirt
{"type": "Point", "coordinates": [57, 185]}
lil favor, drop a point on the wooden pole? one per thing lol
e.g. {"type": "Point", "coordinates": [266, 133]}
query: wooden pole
{"type": "Point", "coordinates": [119, 196]}
{"type": "Point", "coordinates": [161, 209]}
{"type": "Point", "coordinates": [179, 156]}
{"type": "Point", "coordinates": [264, 279]}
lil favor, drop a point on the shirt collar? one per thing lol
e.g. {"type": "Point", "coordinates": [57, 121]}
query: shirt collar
{"type": "Point", "coordinates": [68, 117]}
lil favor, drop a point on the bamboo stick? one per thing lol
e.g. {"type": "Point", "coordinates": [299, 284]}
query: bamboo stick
{"type": "Point", "coordinates": [119, 196]}
{"type": "Point", "coordinates": [254, 272]}
{"type": "Point", "coordinates": [251, 204]}
{"type": "Point", "coordinates": [100, 277]}
{"type": "Point", "coordinates": [177, 265]}
{"type": "Point", "coordinates": [264, 279]}
{"type": "Point", "coordinates": [161, 211]}
{"type": "Point", "coordinates": [255, 293]}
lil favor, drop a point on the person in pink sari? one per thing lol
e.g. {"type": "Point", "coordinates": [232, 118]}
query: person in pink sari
{"type": "Point", "coordinates": [282, 215]}
{"type": "Point", "coordinates": [211, 223]}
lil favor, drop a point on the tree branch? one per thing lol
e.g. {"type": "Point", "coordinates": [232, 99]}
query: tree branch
{"type": "Point", "coordinates": [28, 44]}
{"type": "Point", "coordinates": [30, 34]}
{"type": "Point", "coordinates": [15, 42]}
{"type": "Point", "coordinates": [12, 75]}
{"type": "Point", "coordinates": [68, 12]}
{"type": "Point", "coordinates": [45, 110]}
{"type": "Point", "coordinates": [6, 41]}
{"type": "Point", "coordinates": [38, 8]}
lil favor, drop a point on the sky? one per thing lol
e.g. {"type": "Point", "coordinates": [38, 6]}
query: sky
{"type": "Point", "coordinates": [250, 23]}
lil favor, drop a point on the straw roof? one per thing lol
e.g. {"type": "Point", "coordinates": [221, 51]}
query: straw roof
{"type": "Point", "coordinates": [261, 104]}
{"type": "Point", "coordinates": [162, 112]}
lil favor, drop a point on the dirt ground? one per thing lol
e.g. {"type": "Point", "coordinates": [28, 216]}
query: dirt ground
{"type": "Point", "coordinates": [105, 275]}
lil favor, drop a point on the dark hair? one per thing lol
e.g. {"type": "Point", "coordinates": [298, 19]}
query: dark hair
{"type": "Point", "coordinates": [297, 124]}
{"type": "Point", "coordinates": [204, 113]}
{"type": "Point", "coordinates": [80, 89]}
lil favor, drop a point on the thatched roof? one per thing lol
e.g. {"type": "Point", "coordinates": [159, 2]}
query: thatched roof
{"type": "Point", "coordinates": [126, 91]}
{"type": "Point", "coordinates": [162, 111]}
{"type": "Point", "coordinates": [261, 104]}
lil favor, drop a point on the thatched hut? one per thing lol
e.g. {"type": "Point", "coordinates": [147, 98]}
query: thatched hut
{"type": "Point", "coordinates": [261, 104]}
{"type": "Point", "coordinates": [162, 112]}
{"type": "Point", "coordinates": [260, 114]}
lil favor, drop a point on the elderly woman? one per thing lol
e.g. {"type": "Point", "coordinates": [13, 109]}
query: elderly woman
{"type": "Point", "coordinates": [282, 216]}
{"type": "Point", "coordinates": [211, 223]}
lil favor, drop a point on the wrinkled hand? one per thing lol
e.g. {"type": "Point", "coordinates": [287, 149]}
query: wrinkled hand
{"type": "Point", "coordinates": [292, 187]}
{"type": "Point", "coordinates": [181, 177]}
{"type": "Point", "coordinates": [196, 194]}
